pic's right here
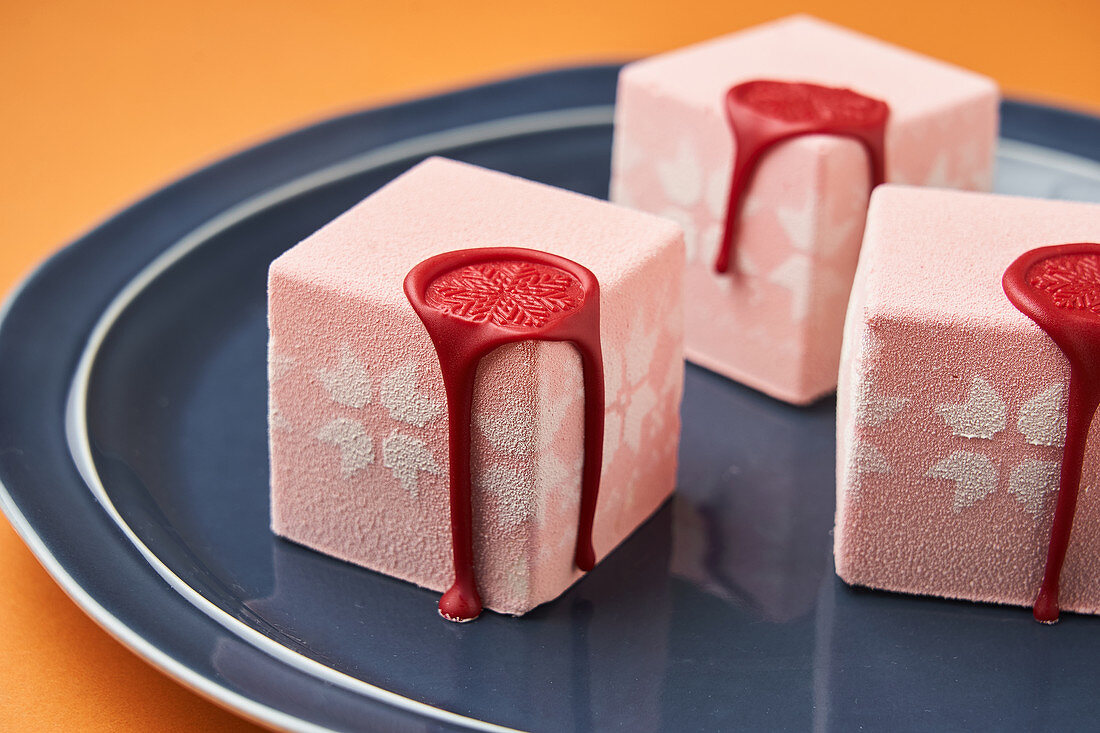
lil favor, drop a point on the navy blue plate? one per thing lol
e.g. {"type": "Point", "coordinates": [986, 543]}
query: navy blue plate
{"type": "Point", "coordinates": [133, 460]}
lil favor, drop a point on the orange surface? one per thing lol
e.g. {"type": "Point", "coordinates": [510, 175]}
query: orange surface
{"type": "Point", "coordinates": [105, 101]}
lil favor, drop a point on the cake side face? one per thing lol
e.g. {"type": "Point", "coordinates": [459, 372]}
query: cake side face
{"type": "Point", "coordinates": [642, 339]}
{"type": "Point", "coordinates": [952, 407]}
{"type": "Point", "coordinates": [802, 215]}
{"type": "Point", "coordinates": [358, 422]}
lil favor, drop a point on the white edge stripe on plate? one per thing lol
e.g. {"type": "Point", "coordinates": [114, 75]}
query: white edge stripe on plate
{"type": "Point", "coordinates": [107, 621]}
{"type": "Point", "coordinates": [79, 442]}
{"type": "Point", "coordinates": [120, 631]}
{"type": "Point", "coordinates": [1047, 157]}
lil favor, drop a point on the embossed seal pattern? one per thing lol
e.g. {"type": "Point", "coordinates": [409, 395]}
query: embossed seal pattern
{"type": "Point", "coordinates": [801, 102]}
{"type": "Point", "coordinates": [507, 293]}
{"type": "Point", "coordinates": [1072, 280]}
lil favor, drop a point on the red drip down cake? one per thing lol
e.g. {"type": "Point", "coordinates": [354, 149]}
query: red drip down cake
{"type": "Point", "coordinates": [475, 384]}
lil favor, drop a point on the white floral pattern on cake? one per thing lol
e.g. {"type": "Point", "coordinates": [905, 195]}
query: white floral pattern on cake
{"type": "Point", "coordinates": [640, 408]}
{"type": "Point", "coordinates": [1033, 483]}
{"type": "Point", "coordinates": [628, 153]}
{"type": "Point", "coordinates": [873, 409]}
{"type": "Point", "coordinates": [798, 224]}
{"type": "Point", "coordinates": [691, 233]}
{"type": "Point", "coordinates": [640, 349]}
{"type": "Point", "coordinates": [864, 458]}
{"type": "Point", "coordinates": [638, 398]}
{"type": "Point", "coordinates": [513, 494]}
{"type": "Point", "coordinates": [1042, 419]}
{"type": "Point", "coordinates": [974, 475]}
{"type": "Point", "coordinates": [276, 420]}
{"type": "Point", "coordinates": [279, 365]}
{"type": "Point", "coordinates": [682, 177]}
{"type": "Point", "coordinates": [349, 383]}
{"type": "Point", "coordinates": [511, 431]}
{"type": "Point", "coordinates": [981, 416]}
{"type": "Point", "coordinates": [350, 437]}
{"type": "Point", "coordinates": [517, 575]}
{"type": "Point", "coordinates": [937, 177]}
{"type": "Point", "coordinates": [408, 457]}
{"type": "Point", "coordinates": [843, 231]}
{"type": "Point", "coordinates": [752, 204]}
{"type": "Point", "coordinates": [612, 434]}
{"type": "Point", "coordinates": [795, 275]}
{"type": "Point", "coordinates": [403, 399]}
{"type": "Point", "coordinates": [717, 195]}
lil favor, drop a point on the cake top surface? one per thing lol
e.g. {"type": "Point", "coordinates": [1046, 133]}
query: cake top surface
{"type": "Point", "coordinates": [804, 49]}
{"type": "Point", "coordinates": [441, 205]}
{"type": "Point", "coordinates": [940, 255]}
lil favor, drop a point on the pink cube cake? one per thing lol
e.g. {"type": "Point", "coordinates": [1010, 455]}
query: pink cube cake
{"type": "Point", "coordinates": [951, 407]}
{"type": "Point", "coordinates": [774, 320]}
{"type": "Point", "coordinates": [358, 421]}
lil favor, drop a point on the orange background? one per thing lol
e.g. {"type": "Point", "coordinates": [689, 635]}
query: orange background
{"type": "Point", "coordinates": [105, 101]}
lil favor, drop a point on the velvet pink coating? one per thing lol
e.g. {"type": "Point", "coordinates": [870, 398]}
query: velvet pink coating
{"type": "Point", "coordinates": [358, 426]}
{"type": "Point", "coordinates": [951, 409]}
{"type": "Point", "coordinates": [775, 321]}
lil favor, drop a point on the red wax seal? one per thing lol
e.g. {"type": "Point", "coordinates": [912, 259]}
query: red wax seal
{"type": "Point", "coordinates": [473, 301]}
{"type": "Point", "coordinates": [1059, 288]}
{"type": "Point", "coordinates": [764, 113]}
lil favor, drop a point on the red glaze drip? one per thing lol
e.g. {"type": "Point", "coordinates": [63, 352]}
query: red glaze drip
{"type": "Point", "coordinates": [473, 301]}
{"type": "Point", "coordinates": [764, 113]}
{"type": "Point", "coordinates": [1059, 288]}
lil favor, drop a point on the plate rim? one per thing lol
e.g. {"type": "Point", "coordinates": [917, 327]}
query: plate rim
{"type": "Point", "coordinates": [147, 649]}
{"type": "Point", "coordinates": [76, 428]}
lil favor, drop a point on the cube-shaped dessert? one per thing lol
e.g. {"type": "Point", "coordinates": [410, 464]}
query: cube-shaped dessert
{"type": "Point", "coordinates": [359, 412]}
{"type": "Point", "coordinates": [952, 404]}
{"type": "Point", "coordinates": [806, 117]}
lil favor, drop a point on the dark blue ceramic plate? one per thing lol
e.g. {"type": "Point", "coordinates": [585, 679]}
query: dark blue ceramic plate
{"type": "Point", "coordinates": [134, 461]}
